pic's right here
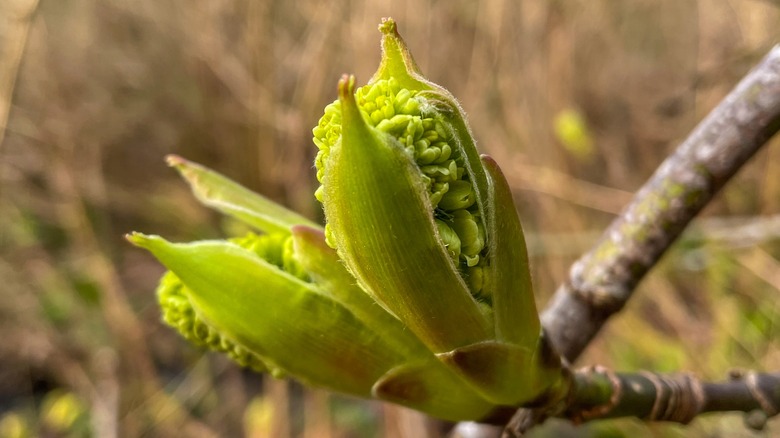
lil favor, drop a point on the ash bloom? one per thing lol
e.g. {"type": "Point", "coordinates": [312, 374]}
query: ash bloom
{"type": "Point", "coordinates": [417, 291]}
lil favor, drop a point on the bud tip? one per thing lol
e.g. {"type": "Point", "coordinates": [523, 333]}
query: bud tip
{"type": "Point", "coordinates": [388, 26]}
{"type": "Point", "coordinates": [141, 240]}
{"type": "Point", "coordinates": [173, 160]}
{"type": "Point", "coordinates": [349, 105]}
{"type": "Point", "coordinates": [346, 87]}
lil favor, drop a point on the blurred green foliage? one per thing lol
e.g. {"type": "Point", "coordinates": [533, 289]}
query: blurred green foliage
{"type": "Point", "coordinates": [104, 89]}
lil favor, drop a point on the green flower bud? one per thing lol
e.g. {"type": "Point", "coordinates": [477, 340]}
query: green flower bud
{"type": "Point", "coordinates": [416, 292]}
{"type": "Point", "coordinates": [374, 208]}
{"type": "Point", "coordinates": [177, 312]}
{"type": "Point", "coordinates": [450, 239]}
{"type": "Point", "coordinates": [428, 230]}
{"type": "Point", "coordinates": [231, 300]}
{"type": "Point", "coordinates": [459, 196]}
{"type": "Point", "coordinates": [242, 296]}
{"type": "Point", "coordinates": [284, 303]}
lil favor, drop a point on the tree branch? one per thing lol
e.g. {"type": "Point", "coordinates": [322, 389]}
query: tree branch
{"type": "Point", "coordinates": [601, 282]}
{"type": "Point", "coordinates": [600, 393]}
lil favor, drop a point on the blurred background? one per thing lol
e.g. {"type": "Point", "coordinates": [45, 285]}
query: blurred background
{"type": "Point", "coordinates": [578, 101]}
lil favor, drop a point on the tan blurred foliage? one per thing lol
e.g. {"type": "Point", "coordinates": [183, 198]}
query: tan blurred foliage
{"type": "Point", "coordinates": [578, 100]}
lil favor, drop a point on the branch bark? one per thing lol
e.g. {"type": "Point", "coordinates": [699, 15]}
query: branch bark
{"type": "Point", "coordinates": [601, 281]}
{"type": "Point", "coordinates": [600, 393]}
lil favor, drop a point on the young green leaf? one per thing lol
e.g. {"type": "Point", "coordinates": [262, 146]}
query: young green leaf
{"type": "Point", "coordinates": [233, 199]}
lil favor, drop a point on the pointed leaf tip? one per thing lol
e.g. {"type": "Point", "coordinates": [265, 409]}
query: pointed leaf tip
{"type": "Point", "coordinates": [388, 26]}
{"type": "Point", "coordinates": [347, 87]}
{"type": "Point", "coordinates": [397, 60]}
{"type": "Point", "coordinates": [354, 128]}
{"type": "Point", "coordinates": [227, 196]}
{"type": "Point", "coordinates": [488, 160]}
{"type": "Point", "coordinates": [149, 242]}
{"type": "Point", "coordinates": [140, 240]}
{"type": "Point", "coordinates": [174, 160]}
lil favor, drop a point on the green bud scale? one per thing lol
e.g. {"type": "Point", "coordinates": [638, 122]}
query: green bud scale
{"type": "Point", "coordinates": [418, 127]}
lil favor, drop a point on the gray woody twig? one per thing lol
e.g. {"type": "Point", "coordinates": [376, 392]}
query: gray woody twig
{"type": "Point", "coordinates": [601, 393]}
{"type": "Point", "coordinates": [601, 281]}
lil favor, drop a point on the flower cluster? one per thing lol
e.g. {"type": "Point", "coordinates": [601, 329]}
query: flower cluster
{"type": "Point", "coordinates": [417, 291]}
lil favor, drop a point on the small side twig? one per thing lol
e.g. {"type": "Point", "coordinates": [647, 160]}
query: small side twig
{"type": "Point", "coordinates": [601, 393]}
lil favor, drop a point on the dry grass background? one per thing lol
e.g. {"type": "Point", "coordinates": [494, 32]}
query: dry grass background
{"type": "Point", "coordinates": [578, 100]}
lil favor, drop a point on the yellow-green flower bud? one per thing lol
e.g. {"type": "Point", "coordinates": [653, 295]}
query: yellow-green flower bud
{"type": "Point", "coordinates": [374, 208]}
{"type": "Point", "coordinates": [414, 214]}
{"type": "Point", "coordinates": [327, 334]}
{"type": "Point", "coordinates": [284, 303]}
{"type": "Point", "coordinates": [450, 239]}
{"type": "Point", "coordinates": [177, 312]}
{"type": "Point", "coordinates": [459, 196]}
{"type": "Point", "coordinates": [421, 295]}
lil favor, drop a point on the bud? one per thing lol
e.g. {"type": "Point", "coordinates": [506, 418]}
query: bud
{"type": "Point", "coordinates": [428, 228]}
{"type": "Point", "coordinates": [283, 302]}
{"type": "Point", "coordinates": [416, 292]}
